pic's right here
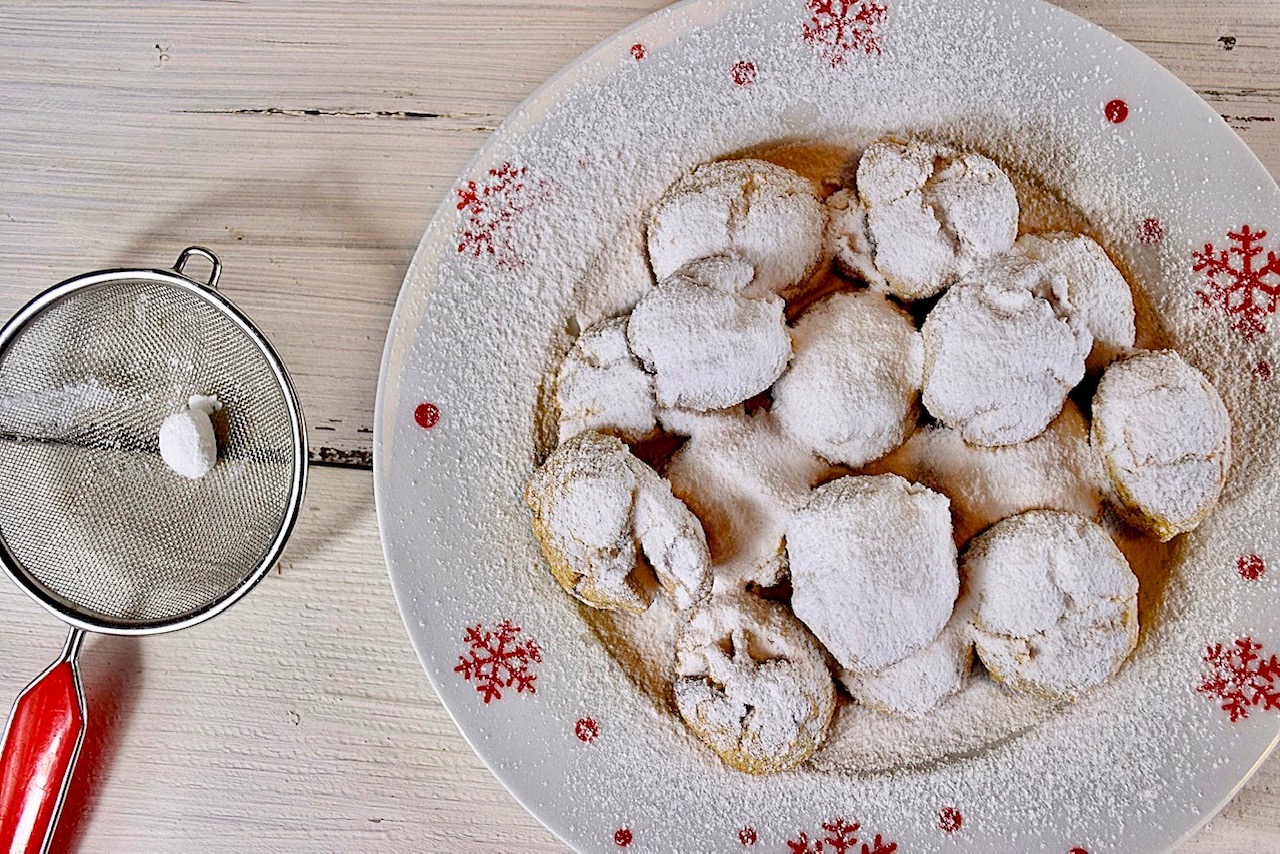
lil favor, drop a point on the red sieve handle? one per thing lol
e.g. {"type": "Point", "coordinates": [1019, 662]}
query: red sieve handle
{"type": "Point", "coordinates": [41, 743]}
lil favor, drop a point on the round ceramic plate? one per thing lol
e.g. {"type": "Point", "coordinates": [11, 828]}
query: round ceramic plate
{"type": "Point", "coordinates": [542, 236]}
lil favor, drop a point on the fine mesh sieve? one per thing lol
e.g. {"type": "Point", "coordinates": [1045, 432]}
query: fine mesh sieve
{"type": "Point", "coordinates": [93, 523]}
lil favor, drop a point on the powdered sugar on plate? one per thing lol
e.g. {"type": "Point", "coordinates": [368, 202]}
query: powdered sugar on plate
{"type": "Point", "coordinates": [1055, 469]}
{"type": "Point", "coordinates": [1024, 84]}
{"type": "Point", "coordinates": [744, 477]}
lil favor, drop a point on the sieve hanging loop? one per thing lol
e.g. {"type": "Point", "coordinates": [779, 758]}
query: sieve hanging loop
{"type": "Point", "coordinates": [199, 251]}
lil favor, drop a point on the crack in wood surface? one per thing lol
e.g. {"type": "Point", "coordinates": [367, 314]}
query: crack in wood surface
{"type": "Point", "coordinates": [342, 458]}
{"type": "Point", "coordinates": [1265, 95]}
{"type": "Point", "coordinates": [346, 113]}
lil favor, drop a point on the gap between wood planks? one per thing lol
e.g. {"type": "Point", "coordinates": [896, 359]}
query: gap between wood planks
{"type": "Point", "coordinates": [361, 460]}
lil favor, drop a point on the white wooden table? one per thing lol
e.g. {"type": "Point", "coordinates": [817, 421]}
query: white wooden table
{"type": "Point", "coordinates": [308, 143]}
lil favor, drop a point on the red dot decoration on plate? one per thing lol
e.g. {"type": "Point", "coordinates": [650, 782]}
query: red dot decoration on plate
{"type": "Point", "coordinates": [744, 73]}
{"type": "Point", "coordinates": [1251, 567]}
{"type": "Point", "coordinates": [1262, 370]}
{"type": "Point", "coordinates": [637, 51]}
{"type": "Point", "coordinates": [1150, 231]}
{"type": "Point", "coordinates": [747, 836]}
{"type": "Point", "coordinates": [1078, 851]}
{"type": "Point", "coordinates": [427, 415]}
{"type": "Point", "coordinates": [587, 730]}
{"type": "Point", "coordinates": [1117, 111]}
{"type": "Point", "coordinates": [622, 837]}
{"type": "Point", "coordinates": [950, 820]}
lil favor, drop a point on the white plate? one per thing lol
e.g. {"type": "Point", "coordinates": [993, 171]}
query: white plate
{"type": "Point", "coordinates": [543, 226]}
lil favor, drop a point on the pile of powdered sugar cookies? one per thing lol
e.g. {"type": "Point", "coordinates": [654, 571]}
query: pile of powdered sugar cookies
{"type": "Point", "coordinates": [899, 436]}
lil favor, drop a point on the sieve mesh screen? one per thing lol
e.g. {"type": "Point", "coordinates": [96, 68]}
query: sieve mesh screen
{"type": "Point", "coordinates": [88, 510]}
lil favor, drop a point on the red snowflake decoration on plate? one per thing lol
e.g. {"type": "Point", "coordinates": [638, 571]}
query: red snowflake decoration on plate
{"type": "Point", "coordinates": [748, 836]}
{"type": "Point", "coordinates": [587, 730]}
{"type": "Point", "coordinates": [637, 51]}
{"type": "Point", "coordinates": [1237, 284]}
{"type": "Point", "coordinates": [1262, 370]}
{"type": "Point", "coordinates": [839, 837]}
{"type": "Point", "coordinates": [1242, 678]}
{"type": "Point", "coordinates": [497, 660]}
{"type": "Point", "coordinates": [950, 820]}
{"type": "Point", "coordinates": [492, 210]}
{"type": "Point", "coordinates": [744, 73]}
{"type": "Point", "coordinates": [1150, 231]}
{"type": "Point", "coordinates": [1250, 567]}
{"type": "Point", "coordinates": [836, 28]}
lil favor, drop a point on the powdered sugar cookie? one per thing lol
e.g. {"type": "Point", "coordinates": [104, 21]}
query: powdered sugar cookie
{"type": "Point", "coordinates": [709, 347]}
{"type": "Point", "coordinates": [767, 214]}
{"type": "Point", "coordinates": [753, 683]}
{"type": "Point", "coordinates": [1056, 469]}
{"type": "Point", "coordinates": [920, 682]}
{"type": "Point", "coordinates": [931, 213]}
{"type": "Point", "coordinates": [597, 509]}
{"type": "Point", "coordinates": [743, 477]}
{"type": "Point", "coordinates": [601, 386]}
{"type": "Point", "coordinates": [1098, 293]}
{"type": "Point", "coordinates": [1000, 356]}
{"type": "Point", "coordinates": [1164, 437]}
{"type": "Point", "coordinates": [1055, 605]}
{"type": "Point", "coordinates": [873, 568]}
{"type": "Point", "coordinates": [851, 392]}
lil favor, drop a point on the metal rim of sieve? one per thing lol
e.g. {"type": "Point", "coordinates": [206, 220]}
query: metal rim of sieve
{"type": "Point", "coordinates": [206, 291]}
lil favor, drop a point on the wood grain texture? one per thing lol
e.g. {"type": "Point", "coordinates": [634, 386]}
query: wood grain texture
{"type": "Point", "coordinates": [308, 142]}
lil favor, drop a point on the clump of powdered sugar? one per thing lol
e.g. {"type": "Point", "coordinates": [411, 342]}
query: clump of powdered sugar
{"type": "Point", "coordinates": [743, 476]}
{"type": "Point", "coordinates": [1164, 438]}
{"type": "Point", "coordinates": [708, 347]}
{"type": "Point", "coordinates": [1055, 604]}
{"type": "Point", "coordinates": [767, 214]}
{"type": "Point", "coordinates": [873, 568]}
{"type": "Point", "coordinates": [851, 391]}
{"type": "Point", "coordinates": [1055, 469]}
{"type": "Point", "coordinates": [601, 386]}
{"type": "Point", "coordinates": [188, 444]}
